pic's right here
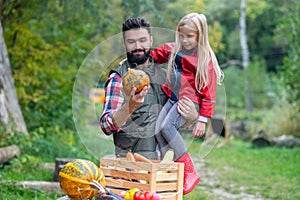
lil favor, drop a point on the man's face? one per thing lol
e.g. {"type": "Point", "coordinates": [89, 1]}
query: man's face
{"type": "Point", "coordinates": [137, 43]}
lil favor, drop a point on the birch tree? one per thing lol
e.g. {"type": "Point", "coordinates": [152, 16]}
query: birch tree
{"type": "Point", "coordinates": [245, 52]}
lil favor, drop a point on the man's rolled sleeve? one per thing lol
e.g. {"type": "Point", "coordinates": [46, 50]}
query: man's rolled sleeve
{"type": "Point", "coordinates": [113, 101]}
{"type": "Point", "coordinates": [106, 124]}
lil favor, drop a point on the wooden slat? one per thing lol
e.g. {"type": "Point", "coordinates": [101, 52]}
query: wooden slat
{"type": "Point", "coordinates": [117, 191]}
{"type": "Point", "coordinates": [153, 181]}
{"type": "Point", "coordinates": [137, 165]}
{"type": "Point", "coordinates": [127, 164]}
{"type": "Point", "coordinates": [171, 195]}
{"type": "Point", "coordinates": [121, 183]}
{"type": "Point", "coordinates": [167, 176]}
{"type": "Point", "coordinates": [166, 179]}
{"type": "Point", "coordinates": [180, 183]}
{"type": "Point", "coordinates": [166, 186]}
{"type": "Point", "coordinates": [126, 174]}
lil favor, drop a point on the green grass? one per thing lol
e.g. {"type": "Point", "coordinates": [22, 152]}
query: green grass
{"type": "Point", "coordinates": [11, 192]}
{"type": "Point", "coordinates": [272, 172]}
{"type": "Point", "coordinates": [198, 194]}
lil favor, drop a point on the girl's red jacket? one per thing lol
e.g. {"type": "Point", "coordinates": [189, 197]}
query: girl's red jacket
{"type": "Point", "coordinates": [206, 97]}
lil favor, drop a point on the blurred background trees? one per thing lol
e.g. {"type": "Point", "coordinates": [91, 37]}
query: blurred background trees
{"type": "Point", "coordinates": [48, 40]}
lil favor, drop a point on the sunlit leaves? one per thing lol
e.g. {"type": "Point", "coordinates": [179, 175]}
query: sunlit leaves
{"type": "Point", "coordinates": [256, 8]}
{"type": "Point", "coordinates": [215, 37]}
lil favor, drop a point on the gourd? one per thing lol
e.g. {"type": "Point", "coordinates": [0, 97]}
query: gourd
{"type": "Point", "coordinates": [135, 78]}
{"type": "Point", "coordinates": [81, 179]}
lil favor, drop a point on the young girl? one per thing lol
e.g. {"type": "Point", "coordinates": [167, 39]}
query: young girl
{"type": "Point", "coordinates": [193, 72]}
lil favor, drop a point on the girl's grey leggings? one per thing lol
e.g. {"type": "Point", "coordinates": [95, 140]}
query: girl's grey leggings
{"type": "Point", "coordinates": [166, 130]}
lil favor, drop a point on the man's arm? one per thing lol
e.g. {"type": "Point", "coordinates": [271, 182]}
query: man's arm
{"type": "Point", "coordinates": [132, 101]}
{"type": "Point", "coordinates": [113, 102]}
{"type": "Point", "coordinates": [187, 110]}
{"type": "Point", "coordinates": [118, 106]}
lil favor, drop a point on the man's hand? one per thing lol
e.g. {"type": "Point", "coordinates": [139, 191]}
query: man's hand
{"type": "Point", "coordinates": [133, 100]}
{"type": "Point", "coordinates": [187, 110]}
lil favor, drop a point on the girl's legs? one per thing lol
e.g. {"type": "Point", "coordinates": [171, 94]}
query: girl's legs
{"type": "Point", "coordinates": [162, 143]}
{"type": "Point", "coordinates": [169, 131]}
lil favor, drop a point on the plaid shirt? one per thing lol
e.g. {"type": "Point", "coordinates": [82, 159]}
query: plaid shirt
{"type": "Point", "coordinates": [113, 101]}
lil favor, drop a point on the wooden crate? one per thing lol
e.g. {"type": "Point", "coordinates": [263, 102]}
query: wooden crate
{"type": "Point", "coordinates": [164, 179]}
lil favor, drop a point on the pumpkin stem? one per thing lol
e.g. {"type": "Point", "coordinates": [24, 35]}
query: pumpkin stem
{"type": "Point", "coordinates": [98, 186]}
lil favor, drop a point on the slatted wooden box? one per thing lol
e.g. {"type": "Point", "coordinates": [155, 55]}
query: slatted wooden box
{"type": "Point", "coordinates": [164, 179]}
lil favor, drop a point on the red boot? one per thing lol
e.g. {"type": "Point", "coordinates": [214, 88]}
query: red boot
{"type": "Point", "coordinates": [191, 178]}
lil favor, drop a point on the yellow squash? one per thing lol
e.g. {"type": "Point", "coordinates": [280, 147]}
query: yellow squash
{"type": "Point", "coordinates": [81, 179]}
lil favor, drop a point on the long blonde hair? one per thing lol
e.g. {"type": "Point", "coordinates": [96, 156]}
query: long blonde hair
{"type": "Point", "coordinates": [197, 23]}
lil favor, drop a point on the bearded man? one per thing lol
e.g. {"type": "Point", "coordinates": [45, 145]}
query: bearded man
{"type": "Point", "coordinates": [131, 117]}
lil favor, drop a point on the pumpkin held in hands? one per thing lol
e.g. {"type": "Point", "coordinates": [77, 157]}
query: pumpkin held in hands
{"type": "Point", "coordinates": [135, 78]}
{"type": "Point", "coordinates": [81, 179]}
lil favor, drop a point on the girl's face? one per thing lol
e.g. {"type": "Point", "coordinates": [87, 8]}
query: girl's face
{"type": "Point", "coordinates": [188, 38]}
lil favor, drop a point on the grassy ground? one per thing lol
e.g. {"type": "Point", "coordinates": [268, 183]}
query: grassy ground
{"type": "Point", "coordinates": [271, 173]}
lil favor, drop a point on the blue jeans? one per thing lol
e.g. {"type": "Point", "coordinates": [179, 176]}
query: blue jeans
{"type": "Point", "coordinates": [166, 130]}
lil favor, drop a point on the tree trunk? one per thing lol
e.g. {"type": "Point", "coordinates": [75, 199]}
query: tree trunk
{"type": "Point", "coordinates": [8, 153]}
{"type": "Point", "coordinates": [245, 52]}
{"type": "Point", "coordinates": [11, 117]}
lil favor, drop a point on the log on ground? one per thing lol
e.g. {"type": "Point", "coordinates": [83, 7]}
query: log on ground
{"type": "Point", "coordinates": [41, 185]}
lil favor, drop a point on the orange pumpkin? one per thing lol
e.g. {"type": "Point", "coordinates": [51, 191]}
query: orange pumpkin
{"type": "Point", "coordinates": [135, 78]}
{"type": "Point", "coordinates": [81, 179]}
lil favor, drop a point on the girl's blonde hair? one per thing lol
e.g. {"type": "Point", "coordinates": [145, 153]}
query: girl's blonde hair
{"type": "Point", "coordinates": [197, 22]}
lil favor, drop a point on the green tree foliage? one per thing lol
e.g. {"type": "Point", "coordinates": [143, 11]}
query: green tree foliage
{"type": "Point", "coordinates": [290, 69]}
{"type": "Point", "coordinates": [177, 9]}
{"type": "Point", "coordinates": [48, 41]}
{"type": "Point", "coordinates": [40, 82]}
{"type": "Point", "coordinates": [258, 80]}
{"type": "Point", "coordinates": [144, 8]}
{"type": "Point", "coordinates": [265, 17]}
{"type": "Point", "coordinates": [262, 19]}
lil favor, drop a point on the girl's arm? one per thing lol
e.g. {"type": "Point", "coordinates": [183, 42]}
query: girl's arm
{"type": "Point", "coordinates": [161, 54]}
{"type": "Point", "coordinates": [208, 103]}
{"type": "Point", "coordinates": [209, 94]}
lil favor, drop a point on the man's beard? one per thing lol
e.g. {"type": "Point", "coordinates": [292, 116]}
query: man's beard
{"type": "Point", "coordinates": [138, 59]}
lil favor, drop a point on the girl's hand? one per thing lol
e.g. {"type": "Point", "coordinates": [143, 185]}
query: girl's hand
{"type": "Point", "coordinates": [199, 129]}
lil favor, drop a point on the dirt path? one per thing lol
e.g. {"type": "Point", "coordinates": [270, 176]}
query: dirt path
{"type": "Point", "coordinates": [211, 184]}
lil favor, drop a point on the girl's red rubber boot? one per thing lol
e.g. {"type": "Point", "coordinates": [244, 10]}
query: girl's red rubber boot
{"type": "Point", "coordinates": [191, 178]}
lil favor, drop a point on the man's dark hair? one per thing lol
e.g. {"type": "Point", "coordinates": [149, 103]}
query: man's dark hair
{"type": "Point", "coordinates": [135, 23]}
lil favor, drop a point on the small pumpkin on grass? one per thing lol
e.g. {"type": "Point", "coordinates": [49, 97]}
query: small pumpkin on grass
{"type": "Point", "coordinates": [135, 78]}
{"type": "Point", "coordinates": [81, 179]}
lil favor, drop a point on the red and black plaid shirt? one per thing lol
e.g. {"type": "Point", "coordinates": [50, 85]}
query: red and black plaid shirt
{"type": "Point", "coordinates": [113, 101]}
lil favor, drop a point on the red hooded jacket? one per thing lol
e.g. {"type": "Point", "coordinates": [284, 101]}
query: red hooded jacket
{"type": "Point", "coordinates": [206, 97]}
